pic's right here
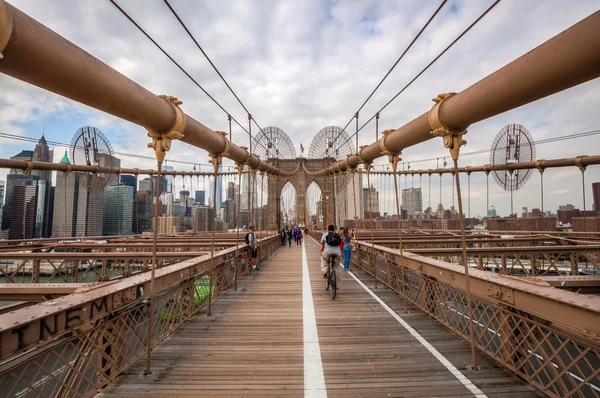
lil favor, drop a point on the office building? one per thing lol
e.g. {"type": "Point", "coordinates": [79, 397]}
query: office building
{"type": "Point", "coordinates": [230, 190]}
{"type": "Point", "coordinates": [106, 160]}
{"type": "Point", "coordinates": [200, 198]}
{"type": "Point", "coordinates": [168, 224]}
{"type": "Point", "coordinates": [131, 181]}
{"type": "Point", "coordinates": [492, 212]}
{"type": "Point", "coordinates": [371, 198]}
{"type": "Point", "coordinates": [14, 177]}
{"type": "Point", "coordinates": [146, 185]}
{"type": "Point", "coordinates": [205, 217]}
{"type": "Point", "coordinates": [78, 205]}
{"type": "Point", "coordinates": [143, 211]}
{"type": "Point", "coordinates": [170, 180]}
{"type": "Point", "coordinates": [596, 196]}
{"type": "Point", "coordinates": [163, 185]}
{"type": "Point", "coordinates": [118, 210]}
{"type": "Point", "coordinates": [31, 216]}
{"type": "Point", "coordinates": [42, 153]}
{"type": "Point", "coordinates": [412, 202]}
{"type": "Point", "coordinates": [167, 202]}
{"type": "Point", "coordinates": [2, 184]}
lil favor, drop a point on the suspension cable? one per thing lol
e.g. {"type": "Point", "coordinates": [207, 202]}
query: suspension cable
{"type": "Point", "coordinates": [179, 66]}
{"type": "Point", "coordinates": [390, 71]}
{"type": "Point", "coordinates": [213, 65]}
{"type": "Point", "coordinates": [427, 67]}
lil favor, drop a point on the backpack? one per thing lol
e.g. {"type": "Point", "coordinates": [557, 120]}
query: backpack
{"type": "Point", "coordinates": [333, 239]}
{"type": "Point", "coordinates": [247, 238]}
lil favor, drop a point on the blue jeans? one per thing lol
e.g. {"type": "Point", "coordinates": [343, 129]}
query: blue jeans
{"type": "Point", "coordinates": [347, 253]}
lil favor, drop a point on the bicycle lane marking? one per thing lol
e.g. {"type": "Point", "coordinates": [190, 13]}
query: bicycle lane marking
{"type": "Point", "coordinates": [457, 373]}
{"type": "Point", "coordinates": [314, 379]}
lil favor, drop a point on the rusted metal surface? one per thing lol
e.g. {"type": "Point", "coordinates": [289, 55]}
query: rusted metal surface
{"type": "Point", "coordinates": [21, 330]}
{"type": "Point", "coordinates": [64, 167]}
{"type": "Point", "coordinates": [575, 312]}
{"type": "Point", "coordinates": [77, 344]}
{"type": "Point", "coordinates": [515, 321]}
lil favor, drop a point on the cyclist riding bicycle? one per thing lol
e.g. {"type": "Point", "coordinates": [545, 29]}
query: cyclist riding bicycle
{"type": "Point", "coordinates": [330, 247]}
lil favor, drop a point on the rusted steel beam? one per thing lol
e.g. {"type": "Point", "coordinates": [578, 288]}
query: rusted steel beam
{"type": "Point", "coordinates": [544, 164]}
{"type": "Point", "coordinates": [506, 250]}
{"type": "Point", "coordinates": [566, 60]}
{"type": "Point", "coordinates": [36, 292]}
{"type": "Point", "coordinates": [571, 311]}
{"type": "Point", "coordinates": [37, 55]}
{"type": "Point", "coordinates": [25, 328]}
{"type": "Point", "coordinates": [30, 165]}
{"type": "Point", "coordinates": [98, 255]}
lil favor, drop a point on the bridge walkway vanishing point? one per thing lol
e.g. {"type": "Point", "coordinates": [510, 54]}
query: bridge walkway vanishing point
{"type": "Point", "coordinates": [278, 335]}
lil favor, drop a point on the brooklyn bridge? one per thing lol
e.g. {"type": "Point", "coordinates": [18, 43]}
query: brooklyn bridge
{"type": "Point", "coordinates": [125, 290]}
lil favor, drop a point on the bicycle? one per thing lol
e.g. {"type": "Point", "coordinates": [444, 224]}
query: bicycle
{"type": "Point", "coordinates": [331, 281]}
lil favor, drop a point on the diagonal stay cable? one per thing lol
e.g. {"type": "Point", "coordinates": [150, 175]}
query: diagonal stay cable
{"type": "Point", "coordinates": [427, 67]}
{"type": "Point", "coordinates": [183, 25]}
{"type": "Point", "coordinates": [392, 68]}
{"type": "Point", "coordinates": [180, 67]}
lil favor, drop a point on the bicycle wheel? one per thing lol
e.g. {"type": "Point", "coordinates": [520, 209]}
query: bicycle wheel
{"type": "Point", "coordinates": [333, 280]}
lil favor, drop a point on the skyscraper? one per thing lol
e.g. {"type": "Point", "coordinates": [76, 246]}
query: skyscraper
{"type": "Point", "coordinates": [42, 153]}
{"type": "Point", "coordinates": [106, 160]}
{"type": "Point", "coordinates": [596, 195]}
{"type": "Point", "coordinates": [129, 180]}
{"type": "Point", "coordinates": [374, 197]}
{"type": "Point", "coordinates": [2, 183]}
{"type": "Point", "coordinates": [14, 177]}
{"type": "Point", "coordinates": [118, 210]}
{"type": "Point", "coordinates": [143, 211]}
{"type": "Point", "coordinates": [78, 204]}
{"type": "Point", "coordinates": [412, 202]}
{"type": "Point", "coordinates": [200, 198]}
{"type": "Point", "coordinates": [230, 190]}
{"type": "Point", "coordinates": [146, 185]}
{"type": "Point", "coordinates": [23, 215]}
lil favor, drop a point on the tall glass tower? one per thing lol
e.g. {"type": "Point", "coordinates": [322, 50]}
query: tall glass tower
{"type": "Point", "coordinates": [118, 210]}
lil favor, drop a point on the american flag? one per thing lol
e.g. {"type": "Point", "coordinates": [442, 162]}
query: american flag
{"type": "Point", "coordinates": [301, 149]}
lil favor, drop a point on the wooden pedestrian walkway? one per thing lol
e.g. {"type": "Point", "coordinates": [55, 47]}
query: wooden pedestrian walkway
{"type": "Point", "coordinates": [257, 343]}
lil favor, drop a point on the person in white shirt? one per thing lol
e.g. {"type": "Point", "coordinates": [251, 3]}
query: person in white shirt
{"type": "Point", "coordinates": [330, 246]}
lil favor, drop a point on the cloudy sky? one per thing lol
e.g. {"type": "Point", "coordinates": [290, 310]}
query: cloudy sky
{"type": "Point", "coordinates": [304, 65]}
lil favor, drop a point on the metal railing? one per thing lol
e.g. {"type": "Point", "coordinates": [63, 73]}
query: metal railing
{"type": "Point", "coordinates": [81, 362]}
{"type": "Point", "coordinates": [558, 360]}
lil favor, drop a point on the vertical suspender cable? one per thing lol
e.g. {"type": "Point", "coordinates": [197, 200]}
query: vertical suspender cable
{"type": "Point", "coordinates": [237, 226]}
{"type": "Point", "coordinates": [466, 265]}
{"type": "Point", "coordinates": [373, 258]}
{"type": "Point", "coordinates": [403, 282]}
{"type": "Point", "coordinates": [212, 272]}
{"type": "Point", "coordinates": [356, 116]}
{"type": "Point", "coordinates": [152, 272]}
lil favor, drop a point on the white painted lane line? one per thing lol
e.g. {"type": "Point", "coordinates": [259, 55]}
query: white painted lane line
{"type": "Point", "coordinates": [461, 377]}
{"type": "Point", "coordinates": [314, 379]}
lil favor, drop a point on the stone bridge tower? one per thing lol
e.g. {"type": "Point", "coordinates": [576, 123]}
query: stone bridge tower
{"type": "Point", "coordinates": [300, 180]}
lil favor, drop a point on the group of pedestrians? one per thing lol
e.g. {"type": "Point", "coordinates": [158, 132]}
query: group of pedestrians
{"type": "Point", "coordinates": [294, 233]}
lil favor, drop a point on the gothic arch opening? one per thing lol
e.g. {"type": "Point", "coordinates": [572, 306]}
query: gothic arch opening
{"type": "Point", "coordinates": [287, 206]}
{"type": "Point", "coordinates": [314, 206]}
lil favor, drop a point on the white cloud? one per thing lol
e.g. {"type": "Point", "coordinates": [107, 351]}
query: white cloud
{"type": "Point", "coordinates": [305, 65]}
